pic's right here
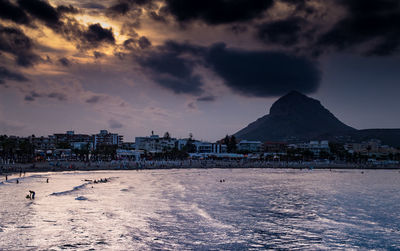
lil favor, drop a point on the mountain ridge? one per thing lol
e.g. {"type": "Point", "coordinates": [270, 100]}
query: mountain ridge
{"type": "Point", "coordinates": [296, 117]}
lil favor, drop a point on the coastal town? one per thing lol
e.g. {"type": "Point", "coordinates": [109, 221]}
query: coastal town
{"type": "Point", "coordinates": [109, 150]}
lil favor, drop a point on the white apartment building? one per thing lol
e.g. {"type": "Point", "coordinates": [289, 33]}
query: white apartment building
{"type": "Point", "coordinates": [154, 143]}
{"type": "Point", "coordinates": [316, 147]}
{"type": "Point", "coordinates": [107, 138]}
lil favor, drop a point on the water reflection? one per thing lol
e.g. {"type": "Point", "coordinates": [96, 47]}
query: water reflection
{"type": "Point", "coordinates": [192, 209]}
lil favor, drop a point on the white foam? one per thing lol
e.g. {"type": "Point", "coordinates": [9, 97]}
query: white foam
{"type": "Point", "coordinates": [72, 190]}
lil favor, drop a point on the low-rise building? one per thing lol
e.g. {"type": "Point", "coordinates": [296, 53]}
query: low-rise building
{"type": "Point", "coordinates": [134, 155]}
{"type": "Point", "coordinates": [275, 147]}
{"type": "Point", "coordinates": [70, 137]}
{"type": "Point", "coordinates": [250, 146]}
{"type": "Point", "coordinates": [316, 147]}
{"type": "Point", "coordinates": [370, 148]}
{"type": "Point", "coordinates": [128, 145]}
{"type": "Point", "coordinates": [107, 138]}
{"type": "Point", "coordinates": [154, 143]}
{"type": "Point", "coordinates": [207, 147]}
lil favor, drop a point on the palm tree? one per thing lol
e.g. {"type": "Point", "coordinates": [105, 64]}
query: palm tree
{"type": "Point", "coordinates": [167, 135]}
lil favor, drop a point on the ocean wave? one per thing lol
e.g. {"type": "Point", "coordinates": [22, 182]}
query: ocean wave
{"type": "Point", "coordinates": [205, 215]}
{"type": "Point", "coordinates": [13, 179]}
{"type": "Point", "coordinates": [76, 188]}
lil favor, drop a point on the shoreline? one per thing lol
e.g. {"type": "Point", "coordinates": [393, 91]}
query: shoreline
{"type": "Point", "coordinates": [166, 165]}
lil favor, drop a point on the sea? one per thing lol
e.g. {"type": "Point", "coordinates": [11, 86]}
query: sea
{"type": "Point", "coordinates": [202, 209]}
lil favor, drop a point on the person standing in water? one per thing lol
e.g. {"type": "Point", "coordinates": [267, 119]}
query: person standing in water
{"type": "Point", "coordinates": [17, 181]}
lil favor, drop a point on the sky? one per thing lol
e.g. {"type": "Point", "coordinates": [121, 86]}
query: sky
{"type": "Point", "coordinates": [206, 67]}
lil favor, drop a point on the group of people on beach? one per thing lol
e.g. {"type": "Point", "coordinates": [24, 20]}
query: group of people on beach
{"type": "Point", "coordinates": [31, 194]}
{"type": "Point", "coordinates": [100, 181]}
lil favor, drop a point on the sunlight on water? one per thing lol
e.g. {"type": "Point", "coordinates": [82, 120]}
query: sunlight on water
{"type": "Point", "coordinates": [192, 209]}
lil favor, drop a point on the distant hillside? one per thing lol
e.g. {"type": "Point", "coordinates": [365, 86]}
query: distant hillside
{"type": "Point", "coordinates": [296, 117]}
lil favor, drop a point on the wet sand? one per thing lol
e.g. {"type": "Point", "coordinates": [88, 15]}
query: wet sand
{"type": "Point", "coordinates": [141, 165]}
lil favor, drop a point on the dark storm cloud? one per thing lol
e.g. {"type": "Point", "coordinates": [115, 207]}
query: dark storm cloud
{"type": "Point", "coordinates": [93, 99]}
{"type": "Point", "coordinates": [85, 37]}
{"type": "Point", "coordinates": [301, 5]}
{"type": "Point", "coordinates": [93, 6]}
{"type": "Point", "coordinates": [135, 43]}
{"type": "Point", "coordinates": [368, 24]}
{"type": "Point", "coordinates": [42, 11]}
{"type": "Point", "coordinates": [122, 7]}
{"type": "Point", "coordinates": [15, 42]}
{"type": "Point", "coordinates": [173, 72]}
{"type": "Point", "coordinates": [139, 2]}
{"type": "Point", "coordinates": [13, 39]}
{"type": "Point", "coordinates": [366, 21]}
{"type": "Point", "coordinates": [283, 32]}
{"type": "Point", "coordinates": [209, 98]}
{"type": "Point", "coordinates": [182, 48]}
{"type": "Point", "coordinates": [57, 95]}
{"type": "Point", "coordinates": [263, 73]}
{"type": "Point", "coordinates": [6, 74]}
{"type": "Point", "coordinates": [113, 124]}
{"type": "Point", "coordinates": [89, 37]}
{"type": "Point", "coordinates": [64, 62]}
{"type": "Point", "coordinates": [238, 29]}
{"type": "Point", "coordinates": [144, 42]}
{"type": "Point", "coordinates": [67, 9]}
{"type": "Point", "coordinates": [130, 44]}
{"type": "Point", "coordinates": [95, 34]}
{"type": "Point", "coordinates": [27, 60]}
{"type": "Point", "coordinates": [217, 11]}
{"type": "Point", "coordinates": [12, 12]}
{"type": "Point", "coordinates": [249, 73]}
{"type": "Point", "coordinates": [33, 95]}
{"type": "Point", "coordinates": [160, 15]}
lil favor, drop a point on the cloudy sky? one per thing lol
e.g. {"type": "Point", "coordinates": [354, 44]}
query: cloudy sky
{"type": "Point", "coordinates": [207, 67]}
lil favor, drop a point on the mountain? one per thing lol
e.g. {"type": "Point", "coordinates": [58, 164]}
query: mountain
{"type": "Point", "coordinates": [295, 117]}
